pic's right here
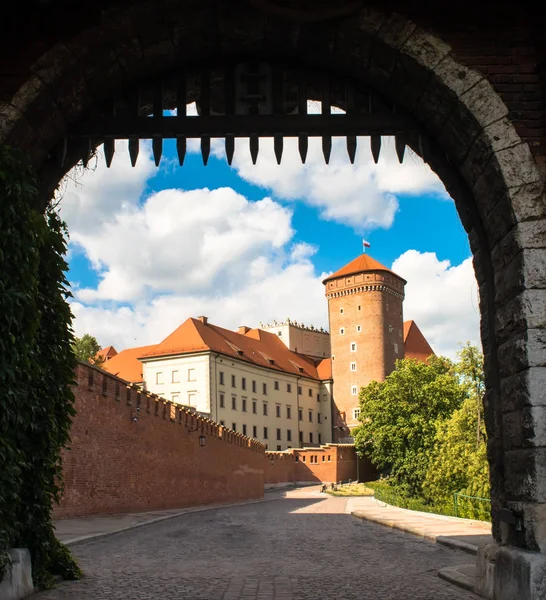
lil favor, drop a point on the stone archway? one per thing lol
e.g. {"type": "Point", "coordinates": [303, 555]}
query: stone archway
{"type": "Point", "coordinates": [485, 165]}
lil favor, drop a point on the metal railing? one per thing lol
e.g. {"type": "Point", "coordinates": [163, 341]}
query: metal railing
{"type": "Point", "coordinates": [471, 507]}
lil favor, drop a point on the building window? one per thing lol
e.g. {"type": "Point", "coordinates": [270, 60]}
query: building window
{"type": "Point", "coordinates": [354, 390]}
{"type": "Point", "coordinates": [288, 412]}
{"type": "Point", "coordinates": [254, 386]}
{"type": "Point", "coordinates": [289, 435]}
{"type": "Point", "coordinates": [390, 328]}
{"type": "Point", "coordinates": [353, 366]}
{"type": "Point", "coordinates": [278, 410]}
{"type": "Point", "coordinates": [399, 333]}
{"type": "Point", "coordinates": [175, 398]}
{"type": "Point", "coordinates": [234, 402]}
{"type": "Point", "coordinates": [234, 426]}
{"type": "Point", "coordinates": [175, 377]}
{"type": "Point", "coordinates": [278, 447]}
{"type": "Point", "coordinates": [223, 423]}
{"type": "Point", "coordinates": [310, 393]}
{"type": "Point", "coordinates": [265, 408]}
{"type": "Point", "coordinates": [303, 457]}
{"type": "Point", "coordinates": [243, 408]}
{"type": "Point", "coordinates": [341, 311]}
{"type": "Point", "coordinates": [310, 416]}
{"type": "Point", "coordinates": [288, 387]}
{"type": "Point", "coordinates": [243, 383]}
{"type": "Point", "coordinates": [278, 434]}
{"type": "Point", "coordinates": [319, 418]}
{"type": "Point", "coordinates": [191, 374]}
{"type": "Point", "coordinates": [159, 378]}
{"type": "Point", "coordinates": [276, 385]}
{"type": "Point", "coordinates": [221, 400]}
{"type": "Point", "coordinates": [254, 431]}
{"type": "Point", "coordinates": [310, 438]}
{"type": "Point", "coordinates": [191, 399]}
{"type": "Point", "coordinates": [329, 455]}
{"type": "Point", "coordinates": [221, 377]}
{"type": "Point", "coordinates": [356, 413]}
{"type": "Point", "coordinates": [244, 429]}
{"type": "Point", "coordinates": [396, 348]}
{"type": "Point", "coordinates": [359, 308]}
{"type": "Point", "coordinates": [279, 333]}
{"type": "Point", "coordinates": [254, 406]}
{"type": "Point", "coordinates": [265, 433]}
{"type": "Point", "coordinates": [301, 436]}
{"type": "Point", "coordinates": [342, 331]}
{"type": "Point", "coordinates": [359, 328]}
{"type": "Point", "coordinates": [299, 390]}
{"type": "Point", "coordinates": [233, 381]}
{"type": "Point", "coordinates": [264, 389]}
{"type": "Point", "coordinates": [320, 441]}
{"type": "Point", "coordinates": [300, 414]}
{"type": "Point", "coordinates": [318, 397]}
{"type": "Point", "coordinates": [353, 346]}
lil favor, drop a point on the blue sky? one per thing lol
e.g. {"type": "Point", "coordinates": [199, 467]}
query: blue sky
{"type": "Point", "coordinates": [243, 244]}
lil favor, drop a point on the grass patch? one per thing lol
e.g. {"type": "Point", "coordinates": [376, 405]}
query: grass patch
{"type": "Point", "coordinates": [351, 489]}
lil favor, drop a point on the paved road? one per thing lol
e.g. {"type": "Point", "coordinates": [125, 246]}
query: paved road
{"type": "Point", "coordinates": [301, 547]}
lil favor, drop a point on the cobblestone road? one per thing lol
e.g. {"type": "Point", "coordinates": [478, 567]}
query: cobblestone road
{"type": "Point", "coordinates": [302, 547]}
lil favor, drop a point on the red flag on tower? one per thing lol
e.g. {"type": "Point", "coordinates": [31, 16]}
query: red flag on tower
{"type": "Point", "coordinates": [365, 245]}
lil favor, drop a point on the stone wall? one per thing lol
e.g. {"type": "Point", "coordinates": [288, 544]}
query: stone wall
{"type": "Point", "coordinates": [132, 451]}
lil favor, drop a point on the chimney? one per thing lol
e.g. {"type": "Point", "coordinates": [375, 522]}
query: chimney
{"type": "Point", "coordinates": [203, 320]}
{"type": "Point", "coordinates": [243, 329]}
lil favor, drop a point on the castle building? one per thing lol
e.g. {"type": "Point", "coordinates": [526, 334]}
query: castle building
{"type": "Point", "coordinates": [248, 381]}
{"type": "Point", "coordinates": [366, 332]}
{"type": "Point", "coordinates": [285, 384]}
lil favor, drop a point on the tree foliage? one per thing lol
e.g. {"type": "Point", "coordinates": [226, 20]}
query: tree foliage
{"type": "Point", "coordinates": [400, 416]}
{"type": "Point", "coordinates": [86, 348]}
{"type": "Point", "coordinates": [36, 369]}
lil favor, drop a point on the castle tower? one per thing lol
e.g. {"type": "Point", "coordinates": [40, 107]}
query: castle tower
{"type": "Point", "coordinates": [366, 332]}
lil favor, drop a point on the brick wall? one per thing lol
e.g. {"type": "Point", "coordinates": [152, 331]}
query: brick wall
{"type": "Point", "coordinates": [327, 464]}
{"type": "Point", "coordinates": [116, 464]}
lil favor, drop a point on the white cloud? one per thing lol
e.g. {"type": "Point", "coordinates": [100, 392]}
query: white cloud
{"type": "Point", "coordinates": [441, 298]}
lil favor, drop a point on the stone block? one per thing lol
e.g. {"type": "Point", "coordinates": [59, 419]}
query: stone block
{"type": "Point", "coordinates": [17, 582]}
{"type": "Point", "coordinates": [370, 20]}
{"type": "Point", "coordinates": [395, 31]}
{"type": "Point", "coordinates": [426, 49]}
{"type": "Point", "coordinates": [484, 103]}
{"type": "Point", "coordinates": [526, 310]}
{"type": "Point", "coordinates": [532, 234]}
{"type": "Point", "coordinates": [455, 76]}
{"type": "Point", "coordinates": [52, 65]}
{"type": "Point", "coordinates": [525, 474]}
{"type": "Point", "coordinates": [528, 201]}
{"type": "Point", "coordinates": [486, 559]}
{"type": "Point", "coordinates": [527, 388]}
{"type": "Point", "coordinates": [519, 575]}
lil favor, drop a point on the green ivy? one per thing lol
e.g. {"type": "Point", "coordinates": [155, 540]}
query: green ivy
{"type": "Point", "coordinates": [36, 370]}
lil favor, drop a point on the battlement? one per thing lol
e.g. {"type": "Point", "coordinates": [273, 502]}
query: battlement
{"type": "Point", "coordinates": [267, 326]}
{"type": "Point", "coordinates": [145, 404]}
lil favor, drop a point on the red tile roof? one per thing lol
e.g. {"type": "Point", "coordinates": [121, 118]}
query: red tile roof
{"type": "Point", "coordinates": [415, 343]}
{"type": "Point", "coordinates": [106, 353]}
{"type": "Point", "coordinates": [126, 365]}
{"type": "Point", "coordinates": [324, 369]}
{"type": "Point", "coordinates": [360, 264]}
{"type": "Point", "coordinates": [259, 347]}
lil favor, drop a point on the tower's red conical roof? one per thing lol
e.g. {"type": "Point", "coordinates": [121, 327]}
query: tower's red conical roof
{"type": "Point", "coordinates": [360, 264]}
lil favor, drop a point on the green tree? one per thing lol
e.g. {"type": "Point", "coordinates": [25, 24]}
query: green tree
{"type": "Point", "coordinates": [400, 417]}
{"type": "Point", "coordinates": [86, 348]}
{"type": "Point", "coordinates": [470, 370]}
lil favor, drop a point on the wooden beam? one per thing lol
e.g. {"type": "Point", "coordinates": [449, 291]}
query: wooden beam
{"type": "Point", "coordinates": [217, 126]}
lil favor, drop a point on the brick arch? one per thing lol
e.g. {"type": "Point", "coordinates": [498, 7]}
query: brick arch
{"type": "Point", "coordinates": [475, 149]}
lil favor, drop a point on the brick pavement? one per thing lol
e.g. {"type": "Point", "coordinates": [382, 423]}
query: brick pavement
{"type": "Point", "coordinates": [299, 547]}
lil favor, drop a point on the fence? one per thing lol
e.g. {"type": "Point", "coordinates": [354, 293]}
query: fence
{"type": "Point", "coordinates": [467, 507]}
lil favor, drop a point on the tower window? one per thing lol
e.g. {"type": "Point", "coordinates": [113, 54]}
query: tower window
{"type": "Point", "coordinates": [353, 346]}
{"type": "Point", "coordinates": [353, 366]}
{"type": "Point", "coordinates": [390, 328]}
{"type": "Point", "coordinates": [356, 413]}
{"type": "Point", "coordinates": [341, 311]}
{"type": "Point", "coordinates": [342, 331]}
{"type": "Point", "coordinates": [359, 328]}
{"type": "Point", "coordinates": [396, 348]}
{"type": "Point", "coordinates": [359, 308]}
{"type": "Point", "coordinates": [354, 390]}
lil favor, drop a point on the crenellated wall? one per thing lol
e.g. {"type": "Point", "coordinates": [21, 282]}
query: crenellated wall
{"type": "Point", "coordinates": [327, 464]}
{"type": "Point", "coordinates": [132, 451]}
